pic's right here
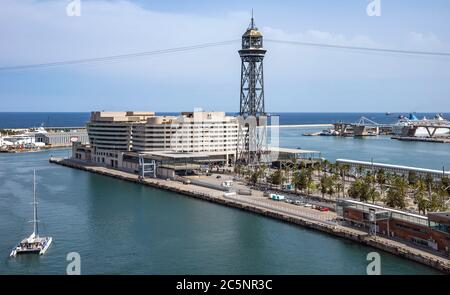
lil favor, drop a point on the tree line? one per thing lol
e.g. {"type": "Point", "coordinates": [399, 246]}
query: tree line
{"type": "Point", "coordinates": [331, 180]}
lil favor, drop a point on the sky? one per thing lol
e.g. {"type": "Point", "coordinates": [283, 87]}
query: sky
{"type": "Point", "coordinates": [297, 78]}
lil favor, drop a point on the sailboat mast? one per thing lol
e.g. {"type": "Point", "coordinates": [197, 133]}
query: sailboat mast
{"type": "Point", "coordinates": [35, 223]}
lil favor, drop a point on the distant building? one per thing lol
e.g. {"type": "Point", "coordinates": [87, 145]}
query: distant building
{"type": "Point", "coordinates": [62, 138]}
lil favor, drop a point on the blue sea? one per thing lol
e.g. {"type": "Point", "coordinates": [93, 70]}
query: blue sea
{"type": "Point", "coordinates": [49, 119]}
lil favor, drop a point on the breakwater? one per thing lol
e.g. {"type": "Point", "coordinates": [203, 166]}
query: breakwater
{"type": "Point", "coordinates": [210, 195]}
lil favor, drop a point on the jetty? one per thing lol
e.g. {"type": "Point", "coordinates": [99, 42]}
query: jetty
{"type": "Point", "coordinates": [423, 139]}
{"type": "Point", "coordinates": [256, 203]}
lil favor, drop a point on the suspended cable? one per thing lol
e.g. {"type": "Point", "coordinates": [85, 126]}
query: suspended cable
{"type": "Point", "coordinates": [117, 57]}
{"type": "Point", "coordinates": [372, 49]}
{"type": "Point", "coordinates": [215, 44]}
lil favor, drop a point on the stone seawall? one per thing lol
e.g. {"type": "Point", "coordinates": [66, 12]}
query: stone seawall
{"type": "Point", "coordinates": [438, 262]}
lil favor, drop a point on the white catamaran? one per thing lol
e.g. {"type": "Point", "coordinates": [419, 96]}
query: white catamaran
{"type": "Point", "coordinates": [33, 244]}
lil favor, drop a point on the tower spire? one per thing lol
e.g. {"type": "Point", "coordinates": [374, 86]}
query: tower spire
{"type": "Point", "coordinates": [252, 22]}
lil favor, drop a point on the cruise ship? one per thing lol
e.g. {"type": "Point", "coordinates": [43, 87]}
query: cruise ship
{"type": "Point", "coordinates": [405, 124]}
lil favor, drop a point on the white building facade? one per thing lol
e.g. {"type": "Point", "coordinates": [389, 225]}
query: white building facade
{"type": "Point", "coordinates": [113, 133]}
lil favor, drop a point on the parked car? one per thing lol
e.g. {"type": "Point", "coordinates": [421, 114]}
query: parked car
{"type": "Point", "coordinates": [298, 203]}
{"type": "Point", "coordinates": [218, 176]}
{"type": "Point", "coordinates": [289, 201]}
{"type": "Point", "coordinates": [324, 209]}
{"type": "Point", "coordinates": [308, 205]}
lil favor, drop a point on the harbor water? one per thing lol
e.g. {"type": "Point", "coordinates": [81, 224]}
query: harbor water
{"type": "Point", "coordinates": [380, 149]}
{"type": "Point", "coordinates": [125, 228]}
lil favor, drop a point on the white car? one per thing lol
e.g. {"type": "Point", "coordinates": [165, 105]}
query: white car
{"type": "Point", "coordinates": [307, 205]}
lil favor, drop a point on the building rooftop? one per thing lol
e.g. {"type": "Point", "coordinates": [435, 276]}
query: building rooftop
{"type": "Point", "coordinates": [292, 151]}
{"type": "Point", "coordinates": [390, 166]}
{"type": "Point", "coordinates": [120, 116]}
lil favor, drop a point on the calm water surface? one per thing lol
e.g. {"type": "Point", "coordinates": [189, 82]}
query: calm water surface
{"type": "Point", "coordinates": [382, 149]}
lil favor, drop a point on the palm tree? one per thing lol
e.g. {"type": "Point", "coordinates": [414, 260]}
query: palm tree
{"type": "Point", "coordinates": [357, 189]}
{"type": "Point", "coordinates": [373, 194]}
{"type": "Point", "coordinates": [420, 197]}
{"type": "Point", "coordinates": [296, 180]}
{"type": "Point", "coordinates": [437, 200]}
{"type": "Point", "coordinates": [397, 193]}
{"type": "Point", "coordinates": [381, 180]}
{"type": "Point", "coordinates": [336, 183]}
{"type": "Point", "coordinates": [277, 178]}
{"type": "Point", "coordinates": [319, 167]}
{"type": "Point", "coordinates": [310, 184]}
{"type": "Point", "coordinates": [323, 185]}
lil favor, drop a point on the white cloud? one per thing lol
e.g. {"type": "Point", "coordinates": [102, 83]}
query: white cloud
{"type": "Point", "coordinates": [427, 41]}
{"type": "Point", "coordinates": [316, 36]}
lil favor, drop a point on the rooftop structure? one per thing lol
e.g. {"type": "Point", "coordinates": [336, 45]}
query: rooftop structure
{"type": "Point", "coordinates": [437, 174]}
{"type": "Point", "coordinates": [120, 116]}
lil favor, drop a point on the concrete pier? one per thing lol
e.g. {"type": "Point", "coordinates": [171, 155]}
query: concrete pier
{"type": "Point", "coordinates": [312, 219]}
{"type": "Point", "coordinates": [423, 139]}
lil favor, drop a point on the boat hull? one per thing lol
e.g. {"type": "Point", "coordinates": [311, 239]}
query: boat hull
{"type": "Point", "coordinates": [41, 249]}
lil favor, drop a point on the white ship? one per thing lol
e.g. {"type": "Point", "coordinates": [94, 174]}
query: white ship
{"type": "Point", "coordinates": [405, 124]}
{"type": "Point", "coordinates": [34, 244]}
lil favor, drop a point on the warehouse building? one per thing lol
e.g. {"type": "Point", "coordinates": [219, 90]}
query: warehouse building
{"type": "Point", "coordinates": [62, 138]}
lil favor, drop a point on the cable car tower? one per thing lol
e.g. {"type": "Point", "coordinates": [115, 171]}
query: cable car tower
{"type": "Point", "coordinates": [252, 139]}
{"type": "Point", "coordinates": [252, 78]}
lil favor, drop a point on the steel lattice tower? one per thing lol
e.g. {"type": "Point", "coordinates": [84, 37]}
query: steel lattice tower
{"type": "Point", "coordinates": [252, 78]}
{"type": "Point", "coordinates": [252, 133]}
